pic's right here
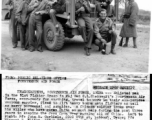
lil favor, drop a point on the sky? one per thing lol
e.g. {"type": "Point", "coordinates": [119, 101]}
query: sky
{"type": "Point", "coordinates": [144, 4]}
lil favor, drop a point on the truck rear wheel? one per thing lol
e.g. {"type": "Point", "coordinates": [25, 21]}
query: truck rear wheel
{"type": "Point", "coordinates": [52, 40]}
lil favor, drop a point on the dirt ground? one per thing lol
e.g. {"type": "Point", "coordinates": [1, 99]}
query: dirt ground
{"type": "Point", "coordinates": [73, 59]}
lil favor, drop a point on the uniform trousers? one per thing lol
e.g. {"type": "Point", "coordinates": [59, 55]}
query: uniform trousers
{"type": "Point", "coordinates": [14, 28]}
{"type": "Point", "coordinates": [111, 37]}
{"type": "Point", "coordinates": [86, 30]}
{"type": "Point", "coordinates": [35, 23]}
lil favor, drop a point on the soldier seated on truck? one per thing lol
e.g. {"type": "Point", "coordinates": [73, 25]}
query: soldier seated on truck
{"type": "Point", "coordinates": [104, 32]}
{"type": "Point", "coordinates": [58, 7]}
{"type": "Point", "coordinates": [83, 10]}
{"type": "Point", "coordinates": [106, 4]}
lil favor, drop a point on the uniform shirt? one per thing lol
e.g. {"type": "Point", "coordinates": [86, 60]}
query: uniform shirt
{"type": "Point", "coordinates": [80, 4]}
{"type": "Point", "coordinates": [60, 6]}
{"type": "Point", "coordinates": [33, 5]}
{"type": "Point", "coordinates": [41, 6]}
{"type": "Point", "coordinates": [23, 11]}
{"type": "Point", "coordinates": [110, 9]}
{"type": "Point", "coordinates": [14, 3]}
{"type": "Point", "coordinates": [101, 30]}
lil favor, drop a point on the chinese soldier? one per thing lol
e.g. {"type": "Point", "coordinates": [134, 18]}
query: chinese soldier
{"type": "Point", "coordinates": [22, 16]}
{"type": "Point", "coordinates": [35, 23]}
{"type": "Point", "coordinates": [106, 4]}
{"type": "Point", "coordinates": [104, 32]}
{"type": "Point", "coordinates": [13, 7]}
{"type": "Point", "coordinates": [85, 23]}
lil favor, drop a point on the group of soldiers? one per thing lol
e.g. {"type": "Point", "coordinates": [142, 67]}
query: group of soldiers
{"type": "Point", "coordinates": [28, 15]}
{"type": "Point", "coordinates": [99, 32]}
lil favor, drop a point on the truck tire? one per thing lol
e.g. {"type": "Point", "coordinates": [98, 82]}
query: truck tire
{"type": "Point", "coordinates": [52, 41]}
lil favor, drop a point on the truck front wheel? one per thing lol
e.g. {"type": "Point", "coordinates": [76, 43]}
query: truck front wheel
{"type": "Point", "coordinates": [53, 37]}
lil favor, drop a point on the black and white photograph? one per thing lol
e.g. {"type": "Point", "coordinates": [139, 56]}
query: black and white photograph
{"type": "Point", "coordinates": [75, 59]}
{"type": "Point", "coordinates": [75, 35]}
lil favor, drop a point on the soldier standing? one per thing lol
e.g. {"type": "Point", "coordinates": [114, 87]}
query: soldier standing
{"type": "Point", "coordinates": [129, 27]}
{"type": "Point", "coordinates": [13, 7]}
{"type": "Point", "coordinates": [85, 23]}
{"type": "Point", "coordinates": [22, 16]}
{"type": "Point", "coordinates": [35, 22]}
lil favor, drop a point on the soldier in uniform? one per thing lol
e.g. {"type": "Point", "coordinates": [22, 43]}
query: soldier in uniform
{"type": "Point", "coordinates": [13, 7]}
{"type": "Point", "coordinates": [106, 4]}
{"type": "Point", "coordinates": [129, 27]}
{"type": "Point", "coordinates": [101, 4]}
{"type": "Point", "coordinates": [104, 32]}
{"type": "Point", "coordinates": [22, 16]}
{"type": "Point", "coordinates": [36, 21]}
{"type": "Point", "coordinates": [85, 23]}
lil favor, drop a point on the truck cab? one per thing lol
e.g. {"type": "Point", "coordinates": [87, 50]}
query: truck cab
{"type": "Point", "coordinates": [5, 11]}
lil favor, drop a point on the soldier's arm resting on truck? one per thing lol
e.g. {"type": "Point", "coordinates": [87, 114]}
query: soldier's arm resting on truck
{"type": "Point", "coordinates": [82, 9]}
{"type": "Point", "coordinates": [33, 2]}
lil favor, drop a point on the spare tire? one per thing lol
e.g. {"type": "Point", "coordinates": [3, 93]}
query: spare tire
{"type": "Point", "coordinates": [52, 41]}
